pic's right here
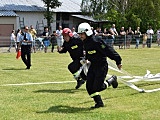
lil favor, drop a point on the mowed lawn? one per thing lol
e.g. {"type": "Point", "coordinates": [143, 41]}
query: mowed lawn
{"type": "Point", "coordinates": [47, 91]}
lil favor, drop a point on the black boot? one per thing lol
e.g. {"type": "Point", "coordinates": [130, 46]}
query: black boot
{"type": "Point", "coordinates": [98, 101]}
{"type": "Point", "coordinates": [113, 81]}
{"type": "Point", "coordinates": [80, 82]}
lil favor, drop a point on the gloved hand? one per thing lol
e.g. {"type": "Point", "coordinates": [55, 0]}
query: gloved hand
{"type": "Point", "coordinates": [60, 49]}
{"type": "Point", "coordinates": [83, 61]}
{"type": "Point", "coordinates": [119, 66]}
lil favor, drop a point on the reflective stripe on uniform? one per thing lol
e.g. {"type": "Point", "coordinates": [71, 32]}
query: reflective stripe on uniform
{"type": "Point", "coordinates": [106, 84]}
{"type": "Point", "coordinates": [75, 74]}
{"type": "Point", "coordinates": [94, 94]}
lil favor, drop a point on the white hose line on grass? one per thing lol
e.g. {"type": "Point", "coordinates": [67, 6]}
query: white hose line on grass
{"type": "Point", "coordinates": [40, 83]}
{"type": "Point", "coordinates": [114, 67]}
{"type": "Point", "coordinates": [111, 66]}
{"type": "Point", "coordinates": [144, 79]}
{"type": "Point", "coordinates": [129, 84]}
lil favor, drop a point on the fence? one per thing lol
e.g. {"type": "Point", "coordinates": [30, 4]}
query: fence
{"type": "Point", "coordinates": [119, 40]}
{"type": "Point", "coordinates": [124, 41]}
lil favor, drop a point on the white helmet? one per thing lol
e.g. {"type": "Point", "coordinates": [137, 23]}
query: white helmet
{"type": "Point", "coordinates": [85, 28]}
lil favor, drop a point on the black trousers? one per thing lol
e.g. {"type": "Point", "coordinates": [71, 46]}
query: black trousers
{"type": "Point", "coordinates": [52, 49]}
{"type": "Point", "coordinates": [149, 42]}
{"type": "Point", "coordinates": [75, 66]}
{"type": "Point", "coordinates": [95, 78]}
{"type": "Point", "coordinates": [26, 54]}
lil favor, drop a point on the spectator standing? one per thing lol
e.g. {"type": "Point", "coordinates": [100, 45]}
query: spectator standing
{"type": "Point", "coordinates": [122, 38]}
{"type": "Point", "coordinates": [108, 35]}
{"type": "Point", "coordinates": [18, 36]}
{"type": "Point", "coordinates": [137, 36]}
{"type": "Point", "coordinates": [12, 41]}
{"type": "Point", "coordinates": [59, 37]}
{"type": "Point", "coordinates": [115, 33]}
{"type": "Point", "coordinates": [25, 44]}
{"type": "Point", "coordinates": [33, 33]}
{"type": "Point", "coordinates": [105, 35]}
{"type": "Point", "coordinates": [158, 37]}
{"type": "Point", "coordinates": [144, 40]}
{"type": "Point", "coordinates": [130, 34]}
{"type": "Point", "coordinates": [150, 33]}
{"type": "Point", "coordinates": [99, 32]}
{"type": "Point", "coordinates": [74, 33]}
{"type": "Point", "coordinates": [46, 41]}
{"type": "Point", "coordinates": [94, 31]}
{"type": "Point", "coordinates": [53, 40]}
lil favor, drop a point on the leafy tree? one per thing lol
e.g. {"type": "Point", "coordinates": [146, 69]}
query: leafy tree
{"type": "Point", "coordinates": [149, 13]}
{"type": "Point", "coordinates": [93, 7]}
{"type": "Point", "coordinates": [49, 14]}
{"type": "Point", "coordinates": [112, 10]}
{"type": "Point", "coordinates": [125, 12]}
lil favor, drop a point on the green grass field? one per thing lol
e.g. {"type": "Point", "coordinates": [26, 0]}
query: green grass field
{"type": "Point", "coordinates": [63, 102]}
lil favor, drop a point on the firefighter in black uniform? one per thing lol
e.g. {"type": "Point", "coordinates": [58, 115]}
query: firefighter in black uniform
{"type": "Point", "coordinates": [75, 48]}
{"type": "Point", "coordinates": [96, 53]}
{"type": "Point", "coordinates": [25, 44]}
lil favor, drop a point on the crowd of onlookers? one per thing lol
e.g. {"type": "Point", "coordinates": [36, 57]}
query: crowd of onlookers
{"type": "Point", "coordinates": [40, 42]}
{"type": "Point", "coordinates": [123, 38]}
{"type": "Point", "coordinates": [17, 35]}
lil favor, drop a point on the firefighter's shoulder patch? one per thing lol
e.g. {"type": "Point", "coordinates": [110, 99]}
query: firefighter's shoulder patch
{"type": "Point", "coordinates": [103, 46]}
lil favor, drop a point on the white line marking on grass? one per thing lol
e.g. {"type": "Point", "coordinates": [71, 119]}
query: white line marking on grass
{"type": "Point", "coordinates": [41, 83]}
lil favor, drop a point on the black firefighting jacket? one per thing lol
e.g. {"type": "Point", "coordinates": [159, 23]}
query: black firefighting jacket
{"type": "Point", "coordinates": [97, 51]}
{"type": "Point", "coordinates": [74, 47]}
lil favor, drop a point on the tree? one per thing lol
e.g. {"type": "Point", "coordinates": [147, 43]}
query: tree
{"type": "Point", "coordinates": [125, 12]}
{"type": "Point", "coordinates": [149, 13]}
{"type": "Point", "coordinates": [93, 7]}
{"type": "Point", "coordinates": [49, 14]}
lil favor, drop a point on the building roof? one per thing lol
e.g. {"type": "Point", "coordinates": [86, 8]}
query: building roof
{"type": "Point", "coordinates": [22, 5]}
{"type": "Point", "coordinates": [7, 13]}
{"type": "Point", "coordinates": [89, 18]}
{"type": "Point", "coordinates": [38, 5]}
{"type": "Point", "coordinates": [69, 6]}
{"type": "Point", "coordinates": [85, 17]}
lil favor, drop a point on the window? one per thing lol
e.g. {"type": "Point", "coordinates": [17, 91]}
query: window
{"type": "Point", "coordinates": [58, 16]}
{"type": "Point", "coordinates": [65, 16]}
{"type": "Point", "coordinates": [65, 25]}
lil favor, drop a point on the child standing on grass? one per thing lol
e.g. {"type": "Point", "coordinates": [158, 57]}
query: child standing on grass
{"type": "Point", "coordinates": [53, 40]}
{"type": "Point", "coordinates": [158, 37]}
{"type": "Point", "coordinates": [144, 40]}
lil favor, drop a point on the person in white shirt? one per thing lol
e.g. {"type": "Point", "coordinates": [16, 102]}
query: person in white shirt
{"type": "Point", "coordinates": [115, 33]}
{"type": "Point", "coordinates": [13, 41]}
{"type": "Point", "coordinates": [74, 33]}
{"type": "Point", "coordinates": [137, 37]}
{"type": "Point", "coordinates": [150, 33]}
{"type": "Point", "coordinates": [59, 37]}
{"type": "Point", "coordinates": [158, 37]}
{"type": "Point", "coordinates": [26, 43]}
{"type": "Point", "coordinates": [18, 36]}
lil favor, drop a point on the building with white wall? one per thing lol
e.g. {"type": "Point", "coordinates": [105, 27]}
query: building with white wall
{"type": "Point", "coordinates": [15, 14]}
